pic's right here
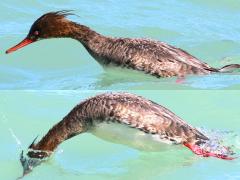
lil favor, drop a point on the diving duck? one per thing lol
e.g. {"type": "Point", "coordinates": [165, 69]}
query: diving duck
{"type": "Point", "coordinates": [126, 119]}
{"type": "Point", "coordinates": [152, 57]}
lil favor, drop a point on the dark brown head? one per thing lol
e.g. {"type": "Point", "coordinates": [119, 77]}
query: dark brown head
{"type": "Point", "coordinates": [33, 158]}
{"type": "Point", "coordinates": [50, 25]}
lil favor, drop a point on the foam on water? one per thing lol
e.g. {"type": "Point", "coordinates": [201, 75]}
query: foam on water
{"type": "Point", "coordinates": [222, 142]}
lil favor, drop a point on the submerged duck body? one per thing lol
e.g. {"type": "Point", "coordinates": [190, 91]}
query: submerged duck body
{"type": "Point", "coordinates": [153, 57]}
{"type": "Point", "coordinates": [122, 118]}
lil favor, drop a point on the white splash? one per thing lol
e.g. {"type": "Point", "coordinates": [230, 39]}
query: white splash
{"type": "Point", "coordinates": [221, 142]}
{"type": "Point", "coordinates": [60, 151]}
{"type": "Point", "coordinates": [15, 137]}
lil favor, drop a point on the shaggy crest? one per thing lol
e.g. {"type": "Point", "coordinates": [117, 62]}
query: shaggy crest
{"type": "Point", "coordinates": [58, 14]}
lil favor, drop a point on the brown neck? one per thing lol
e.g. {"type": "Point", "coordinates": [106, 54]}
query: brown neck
{"type": "Point", "coordinates": [83, 33]}
{"type": "Point", "coordinates": [73, 124]}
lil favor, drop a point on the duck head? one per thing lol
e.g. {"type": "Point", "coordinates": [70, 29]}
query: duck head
{"type": "Point", "coordinates": [49, 25]}
{"type": "Point", "coordinates": [33, 158]}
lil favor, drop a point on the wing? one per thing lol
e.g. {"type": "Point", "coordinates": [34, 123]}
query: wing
{"type": "Point", "coordinates": [150, 117]}
{"type": "Point", "coordinates": [162, 51]}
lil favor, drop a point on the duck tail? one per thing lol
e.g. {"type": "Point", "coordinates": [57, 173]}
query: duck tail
{"type": "Point", "coordinates": [205, 150]}
{"type": "Point", "coordinates": [229, 68]}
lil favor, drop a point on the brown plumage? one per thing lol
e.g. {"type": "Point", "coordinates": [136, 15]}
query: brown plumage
{"type": "Point", "coordinates": [153, 57]}
{"type": "Point", "coordinates": [119, 109]}
{"type": "Point", "coordinates": [124, 108]}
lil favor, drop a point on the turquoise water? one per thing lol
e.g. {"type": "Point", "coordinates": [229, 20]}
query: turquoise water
{"type": "Point", "coordinates": [207, 29]}
{"type": "Point", "coordinates": [26, 114]}
{"type": "Point", "coordinates": [51, 76]}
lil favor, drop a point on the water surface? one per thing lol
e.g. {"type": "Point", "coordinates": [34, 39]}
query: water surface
{"type": "Point", "coordinates": [26, 114]}
{"type": "Point", "coordinates": [207, 29]}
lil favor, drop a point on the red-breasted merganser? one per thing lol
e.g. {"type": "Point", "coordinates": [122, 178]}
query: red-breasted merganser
{"type": "Point", "coordinates": [153, 57]}
{"type": "Point", "coordinates": [122, 118]}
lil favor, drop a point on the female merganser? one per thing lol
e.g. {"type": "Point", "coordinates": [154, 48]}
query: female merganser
{"type": "Point", "coordinates": [104, 115]}
{"type": "Point", "coordinates": [153, 57]}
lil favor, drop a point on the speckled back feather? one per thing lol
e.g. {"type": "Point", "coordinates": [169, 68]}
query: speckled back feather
{"type": "Point", "coordinates": [129, 109]}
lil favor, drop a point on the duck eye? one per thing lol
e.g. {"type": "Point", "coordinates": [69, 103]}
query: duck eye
{"type": "Point", "coordinates": [36, 33]}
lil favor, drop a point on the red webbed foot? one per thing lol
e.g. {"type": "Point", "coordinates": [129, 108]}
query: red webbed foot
{"type": "Point", "coordinates": [201, 152]}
